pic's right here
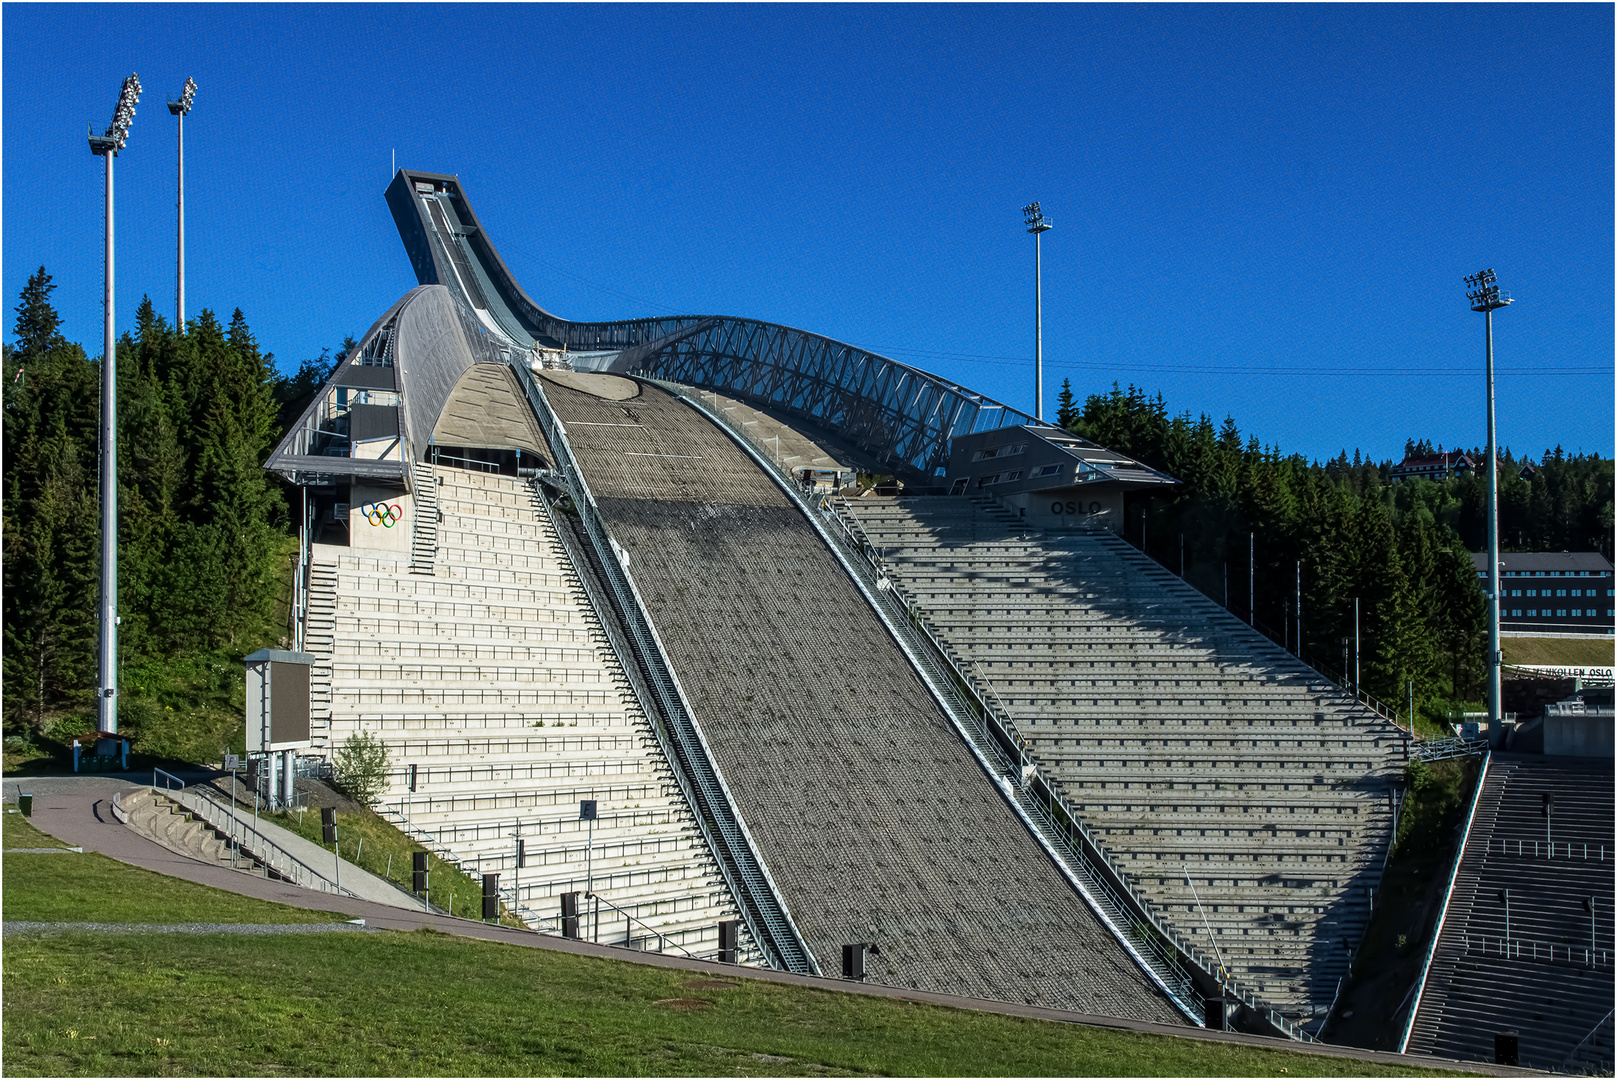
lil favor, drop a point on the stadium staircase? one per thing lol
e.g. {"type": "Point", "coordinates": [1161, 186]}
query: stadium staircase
{"type": "Point", "coordinates": [1192, 747]}
{"type": "Point", "coordinates": [875, 820]}
{"type": "Point", "coordinates": [1549, 978]}
{"type": "Point", "coordinates": [424, 526]}
{"type": "Point", "coordinates": [491, 683]}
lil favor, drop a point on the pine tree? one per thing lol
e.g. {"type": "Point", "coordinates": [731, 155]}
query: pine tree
{"type": "Point", "coordinates": [1066, 408]}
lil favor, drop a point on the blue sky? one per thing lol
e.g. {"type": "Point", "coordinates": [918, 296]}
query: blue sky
{"type": "Point", "coordinates": [1261, 211]}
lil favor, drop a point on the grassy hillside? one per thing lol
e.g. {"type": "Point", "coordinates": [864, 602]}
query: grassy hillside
{"type": "Point", "coordinates": [1560, 652]}
{"type": "Point", "coordinates": [425, 1004]}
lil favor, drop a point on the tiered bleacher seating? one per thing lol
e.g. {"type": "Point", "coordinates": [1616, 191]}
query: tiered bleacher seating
{"type": "Point", "coordinates": [1549, 975]}
{"type": "Point", "coordinates": [503, 708]}
{"type": "Point", "coordinates": [1190, 744]}
{"type": "Point", "coordinates": [875, 821]}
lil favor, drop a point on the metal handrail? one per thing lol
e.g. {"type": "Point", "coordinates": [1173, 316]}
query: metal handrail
{"type": "Point", "coordinates": [1598, 1025]}
{"type": "Point", "coordinates": [1443, 912]}
{"type": "Point", "coordinates": [1550, 847]}
{"type": "Point", "coordinates": [1519, 948]}
{"type": "Point", "coordinates": [203, 800]}
{"type": "Point", "coordinates": [662, 939]}
{"type": "Point", "coordinates": [1000, 736]}
{"type": "Point", "coordinates": [631, 674]}
{"type": "Point", "coordinates": [761, 905]}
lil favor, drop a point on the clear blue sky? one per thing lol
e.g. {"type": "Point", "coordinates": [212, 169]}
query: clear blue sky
{"type": "Point", "coordinates": [1262, 211]}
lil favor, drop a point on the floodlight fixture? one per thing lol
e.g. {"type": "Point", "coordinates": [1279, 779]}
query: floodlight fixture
{"type": "Point", "coordinates": [1484, 293]}
{"type": "Point", "coordinates": [183, 106]}
{"type": "Point", "coordinates": [1485, 297]}
{"type": "Point", "coordinates": [123, 114]}
{"type": "Point", "coordinates": [1036, 224]}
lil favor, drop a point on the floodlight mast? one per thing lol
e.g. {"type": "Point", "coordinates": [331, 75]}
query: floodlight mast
{"type": "Point", "coordinates": [1036, 224]}
{"type": "Point", "coordinates": [107, 145]}
{"type": "Point", "coordinates": [179, 109]}
{"type": "Point", "coordinates": [1485, 297]}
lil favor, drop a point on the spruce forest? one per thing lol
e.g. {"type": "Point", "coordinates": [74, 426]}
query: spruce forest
{"type": "Point", "coordinates": [204, 550]}
{"type": "Point", "coordinates": [1256, 517]}
{"type": "Point", "coordinates": [206, 546]}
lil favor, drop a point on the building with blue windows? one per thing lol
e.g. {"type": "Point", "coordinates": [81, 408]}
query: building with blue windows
{"type": "Point", "coordinates": [1554, 592]}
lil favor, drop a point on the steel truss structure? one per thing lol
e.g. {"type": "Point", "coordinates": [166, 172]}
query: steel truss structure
{"type": "Point", "coordinates": [900, 415]}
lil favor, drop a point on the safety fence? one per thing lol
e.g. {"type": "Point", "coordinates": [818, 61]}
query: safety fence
{"type": "Point", "coordinates": [1547, 952]}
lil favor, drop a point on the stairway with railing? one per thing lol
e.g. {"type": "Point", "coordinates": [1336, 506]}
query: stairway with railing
{"type": "Point", "coordinates": [424, 520]}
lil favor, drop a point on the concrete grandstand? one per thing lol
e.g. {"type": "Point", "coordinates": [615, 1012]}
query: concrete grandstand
{"type": "Point", "coordinates": [972, 731]}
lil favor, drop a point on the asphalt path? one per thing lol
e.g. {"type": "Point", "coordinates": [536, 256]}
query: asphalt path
{"type": "Point", "coordinates": [78, 810]}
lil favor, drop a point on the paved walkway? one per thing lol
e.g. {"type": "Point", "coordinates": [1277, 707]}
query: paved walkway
{"type": "Point", "coordinates": [78, 810]}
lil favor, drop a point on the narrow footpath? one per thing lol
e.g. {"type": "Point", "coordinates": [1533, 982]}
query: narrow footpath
{"type": "Point", "coordinates": [78, 811]}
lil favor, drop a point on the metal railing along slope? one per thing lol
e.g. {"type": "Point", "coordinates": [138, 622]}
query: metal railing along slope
{"type": "Point", "coordinates": [762, 909]}
{"type": "Point", "coordinates": [1002, 751]}
{"type": "Point", "coordinates": [1448, 896]}
{"type": "Point", "coordinates": [245, 838]}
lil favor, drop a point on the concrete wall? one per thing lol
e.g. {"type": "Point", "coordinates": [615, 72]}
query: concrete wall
{"type": "Point", "coordinates": [1589, 735]}
{"type": "Point", "coordinates": [1072, 507]}
{"type": "Point", "coordinates": [363, 532]}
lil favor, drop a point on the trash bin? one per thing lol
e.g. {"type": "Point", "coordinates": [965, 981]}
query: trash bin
{"type": "Point", "coordinates": [25, 803]}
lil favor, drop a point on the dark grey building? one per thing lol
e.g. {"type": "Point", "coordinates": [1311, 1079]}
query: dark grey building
{"type": "Point", "coordinates": [1554, 591]}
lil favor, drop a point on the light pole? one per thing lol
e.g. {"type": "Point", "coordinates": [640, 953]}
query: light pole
{"type": "Point", "coordinates": [1485, 297]}
{"type": "Point", "coordinates": [1036, 224]}
{"type": "Point", "coordinates": [107, 145]}
{"type": "Point", "coordinates": [180, 108]}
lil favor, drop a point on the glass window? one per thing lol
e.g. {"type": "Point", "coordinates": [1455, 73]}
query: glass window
{"type": "Point", "coordinates": [1560, 592]}
{"type": "Point", "coordinates": [1533, 611]}
{"type": "Point", "coordinates": [1532, 592]}
{"type": "Point", "coordinates": [1538, 573]}
{"type": "Point", "coordinates": [1560, 613]}
{"type": "Point", "coordinates": [1515, 592]}
{"type": "Point", "coordinates": [1577, 613]}
{"type": "Point", "coordinates": [1515, 613]}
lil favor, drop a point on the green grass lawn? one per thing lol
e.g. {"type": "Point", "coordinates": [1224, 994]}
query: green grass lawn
{"type": "Point", "coordinates": [19, 832]}
{"type": "Point", "coordinates": [393, 1004]}
{"type": "Point", "coordinates": [426, 1004]}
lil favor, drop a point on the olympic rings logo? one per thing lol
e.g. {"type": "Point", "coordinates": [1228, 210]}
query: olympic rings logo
{"type": "Point", "coordinates": [382, 514]}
